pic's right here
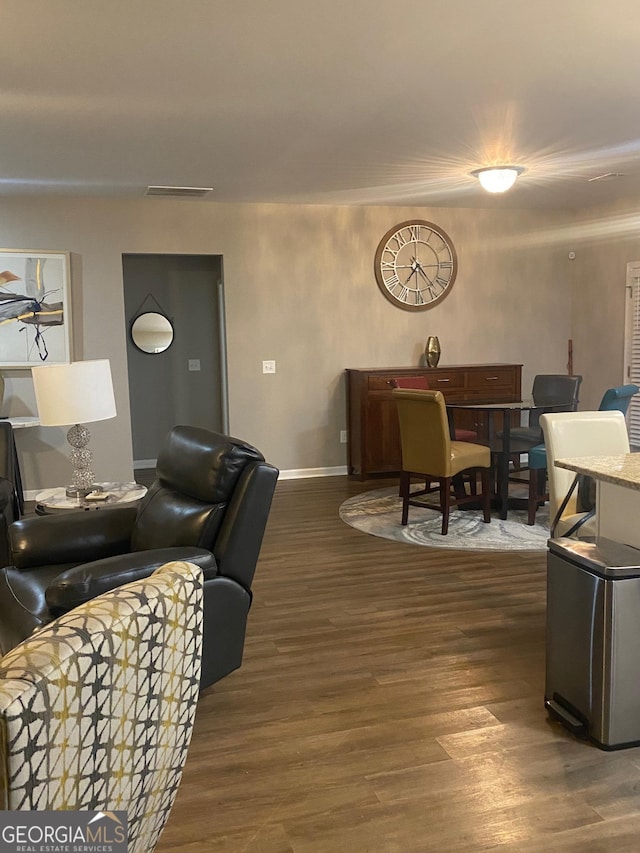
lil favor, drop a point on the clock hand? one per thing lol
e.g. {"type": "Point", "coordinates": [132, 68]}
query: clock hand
{"type": "Point", "coordinates": [420, 269]}
{"type": "Point", "coordinates": [419, 265]}
{"type": "Point", "coordinates": [416, 266]}
{"type": "Point", "coordinates": [424, 276]}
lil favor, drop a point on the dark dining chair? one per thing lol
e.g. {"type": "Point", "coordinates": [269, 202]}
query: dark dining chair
{"type": "Point", "coordinates": [549, 389]}
{"type": "Point", "coordinates": [618, 399]}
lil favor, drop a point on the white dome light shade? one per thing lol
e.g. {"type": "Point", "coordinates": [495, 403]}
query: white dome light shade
{"type": "Point", "coordinates": [497, 179]}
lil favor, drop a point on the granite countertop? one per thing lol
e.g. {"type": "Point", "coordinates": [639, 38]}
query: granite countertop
{"type": "Point", "coordinates": [621, 470]}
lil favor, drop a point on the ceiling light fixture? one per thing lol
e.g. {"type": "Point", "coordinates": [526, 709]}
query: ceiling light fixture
{"type": "Point", "coordinates": [497, 179]}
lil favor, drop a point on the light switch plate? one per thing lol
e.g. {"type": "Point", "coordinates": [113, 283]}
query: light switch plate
{"type": "Point", "coordinates": [268, 367]}
{"type": "Point", "coordinates": [194, 364]}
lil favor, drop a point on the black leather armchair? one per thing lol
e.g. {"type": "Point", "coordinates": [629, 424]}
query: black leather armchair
{"type": "Point", "coordinates": [209, 505]}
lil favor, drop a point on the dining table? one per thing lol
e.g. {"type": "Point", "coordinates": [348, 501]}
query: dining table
{"type": "Point", "coordinates": [498, 417]}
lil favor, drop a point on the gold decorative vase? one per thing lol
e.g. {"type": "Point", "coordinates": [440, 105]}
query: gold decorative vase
{"type": "Point", "coordinates": [432, 351]}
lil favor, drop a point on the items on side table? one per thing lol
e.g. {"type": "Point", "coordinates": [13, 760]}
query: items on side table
{"type": "Point", "coordinates": [102, 495]}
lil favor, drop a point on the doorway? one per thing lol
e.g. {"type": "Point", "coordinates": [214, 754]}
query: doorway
{"type": "Point", "coordinates": [186, 382]}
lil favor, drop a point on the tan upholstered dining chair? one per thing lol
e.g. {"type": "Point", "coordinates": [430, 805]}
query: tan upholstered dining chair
{"type": "Point", "coordinates": [429, 453]}
{"type": "Point", "coordinates": [97, 707]}
{"type": "Point", "coordinates": [421, 383]}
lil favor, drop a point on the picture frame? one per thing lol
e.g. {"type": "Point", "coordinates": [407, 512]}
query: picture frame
{"type": "Point", "coordinates": [35, 308]}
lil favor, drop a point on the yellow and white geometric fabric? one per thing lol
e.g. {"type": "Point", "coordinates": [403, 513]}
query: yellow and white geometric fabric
{"type": "Point", "coordinates": [97, 707]}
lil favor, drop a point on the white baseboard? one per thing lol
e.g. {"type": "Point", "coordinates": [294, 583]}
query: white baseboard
{"type": "Point", "coordinates": [301, 473]}
{"type": "Point", "coordinates": [291, 474]}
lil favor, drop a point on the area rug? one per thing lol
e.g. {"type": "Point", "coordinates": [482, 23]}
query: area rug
{"type": "Point", "coordinates": [378, 513]}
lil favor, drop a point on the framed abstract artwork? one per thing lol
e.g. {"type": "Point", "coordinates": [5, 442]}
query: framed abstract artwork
{"type": "Point", "coordinates": [35, 308]}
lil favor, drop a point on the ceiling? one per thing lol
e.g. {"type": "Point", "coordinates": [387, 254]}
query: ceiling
{"type": "Point", "coordinates": [323, 102]}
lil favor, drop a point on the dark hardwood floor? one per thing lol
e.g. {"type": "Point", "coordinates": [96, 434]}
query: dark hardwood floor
{"type": "Point", "coordinates": [391, 700]}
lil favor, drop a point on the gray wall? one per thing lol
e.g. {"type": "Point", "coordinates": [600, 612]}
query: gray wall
{"type": "Point", "coordinates": [162, 390]}
{"type": "Point", "coordinates": [300, 289]}
{"type": "Point", "coordinates": [605, 240]}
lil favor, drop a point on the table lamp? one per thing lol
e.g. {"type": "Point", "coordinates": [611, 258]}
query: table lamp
{"type": "Point", "coordinates": [76, 393]}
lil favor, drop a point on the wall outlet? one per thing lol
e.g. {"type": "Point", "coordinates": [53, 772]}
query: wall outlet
{"type": "Point", "coordinates": [343, 436]}
{"type": "Point", "coordinates": [268, 367]}
{"type": "Point", "coordinates": [194, 364]}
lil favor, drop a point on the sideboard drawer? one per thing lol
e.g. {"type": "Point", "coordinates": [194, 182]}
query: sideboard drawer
{"type": "Point", "coordinates": [488, 379]}
{"type": "Point", "coordinates": [444, 380]}
{"type": "Point", "coordinates": [438, 380]}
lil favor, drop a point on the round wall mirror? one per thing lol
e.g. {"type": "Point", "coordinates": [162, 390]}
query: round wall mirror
{"type": "Point", "coordinates": [152, 332]}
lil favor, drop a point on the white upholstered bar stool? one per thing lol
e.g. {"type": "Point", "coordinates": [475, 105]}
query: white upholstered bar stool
{"type": "Point", "coordinates": [573, 435]}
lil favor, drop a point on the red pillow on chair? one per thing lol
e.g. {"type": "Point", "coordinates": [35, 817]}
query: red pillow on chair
{"type": "Point", "coordinates": [419, 383]}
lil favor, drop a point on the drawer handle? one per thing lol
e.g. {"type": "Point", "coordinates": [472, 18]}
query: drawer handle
{"type": "Point", "coordinates": [443, 380]}
{"type": "Point", "coordinates": [491, 378]}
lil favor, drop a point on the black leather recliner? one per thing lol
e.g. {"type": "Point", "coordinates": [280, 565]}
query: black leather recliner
{"type": "Point", "coordinates": [10, 469]}
{"type": "Point", "coordinates": [209, 505]}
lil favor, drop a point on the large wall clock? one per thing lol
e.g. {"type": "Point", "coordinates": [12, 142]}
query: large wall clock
{"type": "Point", "coordinates": [415, 265]}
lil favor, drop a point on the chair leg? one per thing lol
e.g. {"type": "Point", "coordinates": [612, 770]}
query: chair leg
{"type": "Point", "coordinates": [405, 484]}
{"type": "Point", "coordinates": [485, 475]}
{"type": "Point", "coordinates": [532, 500]}
{"type": "Point", "coordinates": [537, 492]}
{"type": "Point", "coordinates": [445, 503]}
{"type": "Point", "coordinates": [458, 486]}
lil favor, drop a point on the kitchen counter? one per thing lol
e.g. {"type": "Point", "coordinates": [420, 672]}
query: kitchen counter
{"type": "Point", "coordinates": [617, 493]}
{"type": "Point", "coordinates": [620, 470]}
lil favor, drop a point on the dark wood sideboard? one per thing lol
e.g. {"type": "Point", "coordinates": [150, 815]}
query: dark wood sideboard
{"type": "Point", "coordinates": [373, 439]}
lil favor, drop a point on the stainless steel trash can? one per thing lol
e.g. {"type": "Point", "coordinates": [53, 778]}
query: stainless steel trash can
{"type": "Point", "coordinates": [593, 640]}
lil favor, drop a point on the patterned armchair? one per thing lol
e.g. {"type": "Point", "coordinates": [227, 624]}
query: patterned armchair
{"type": "Point", "coordinates": [97, 707]}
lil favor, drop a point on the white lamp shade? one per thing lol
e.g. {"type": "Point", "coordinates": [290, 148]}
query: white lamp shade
{"type": "Point", "coordinates": [76, 393]}
{"type": "Point", "coordinates": [498, 179]}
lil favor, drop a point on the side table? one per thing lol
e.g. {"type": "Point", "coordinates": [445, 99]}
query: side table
{"type": "Point", "coordinates": [56, 500]}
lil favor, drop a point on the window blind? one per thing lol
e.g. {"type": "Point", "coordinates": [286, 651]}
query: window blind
{"type": "Point", "coordinates": [633, 418]}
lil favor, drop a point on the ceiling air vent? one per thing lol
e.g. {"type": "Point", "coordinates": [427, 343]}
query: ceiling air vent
{"type": "Point", "coordinates": [179, 192]}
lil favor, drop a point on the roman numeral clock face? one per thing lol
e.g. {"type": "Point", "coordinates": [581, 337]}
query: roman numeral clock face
{"type": "Point", "coordinates": [415, 265]}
